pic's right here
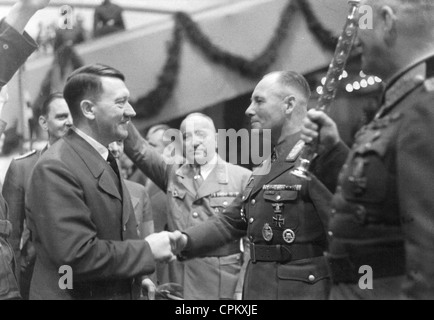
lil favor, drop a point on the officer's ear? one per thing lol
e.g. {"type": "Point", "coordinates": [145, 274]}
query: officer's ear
{"type": "Point", "coordinates": [43, 123]}
{"type": "Point", "coordinates": [88, 109]}
{"type": "Point", "coordinates": [388, 23]}
{"type": "Point", "coordinates": [290, 102]}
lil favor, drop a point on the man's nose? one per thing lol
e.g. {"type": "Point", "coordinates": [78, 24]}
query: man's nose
{"type": "Point", "coordinates": [69, 121]}
{"type": "Point", "coordinates": [129, 111]}
{"type": "Point", "coordinates": [250, 110]}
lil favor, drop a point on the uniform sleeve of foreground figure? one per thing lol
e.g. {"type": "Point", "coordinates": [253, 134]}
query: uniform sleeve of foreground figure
{"type": "Point", "coordinates": [415, 157]}
{"type": "Point", "coordinates": [216, 231]}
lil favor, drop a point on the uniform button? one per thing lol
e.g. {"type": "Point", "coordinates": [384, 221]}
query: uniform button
{"type": "Point", "coordinates": [225, 203]}
{"type": "Point", "coordinates": [253, 202]}
{"type": "Point", "coordinates": [311, 278]}
{"type": "Point", "coordinates": [125, 228]}
{"type": "Point", "coordinates": [278, 197]}
{"type": "Point", "coordinates": [243, 198]}
{"type": "Point", "coordinates": [195, 215]}
{"type": "Point", "coordinates": [333, 211]}
{"type": "Point", "coordinates": [251, 220]}
{"type": "Point", "coordinates": [330, 233]}
{"type": "Point", "coordinates": [5, 46]}
{"type": "Point", "coordinates": [251, 239]}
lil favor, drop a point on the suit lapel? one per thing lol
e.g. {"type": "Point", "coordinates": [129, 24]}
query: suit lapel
{"type": "Point", "coordinates": [94, 162]}
{"type": "Point", "coordinates": [127, 205]}
{"type": "Point", "coordinates": [185, 177]}
{"type": "Point", "coordinates": [212, 183]}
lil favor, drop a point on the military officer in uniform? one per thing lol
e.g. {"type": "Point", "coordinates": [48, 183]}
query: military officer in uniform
{"type": "Point", "coordinates": [382, 222]}
{"type": "Point", "coordinates": [198, 189]}
{"type": "Point", "coordinates": [15, 47]}
{"type": "Point", "coordinates": [284, 217]}
{"type": "Point", "coordinates": [56, 120]}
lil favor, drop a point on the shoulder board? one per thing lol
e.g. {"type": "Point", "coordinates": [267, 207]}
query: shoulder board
{"type": "Point", "coordinates": [26, 155]}
{"type": "Point", "coordinates": [295, 152]}
{"type": "Point", "coordinates": [429, 85]}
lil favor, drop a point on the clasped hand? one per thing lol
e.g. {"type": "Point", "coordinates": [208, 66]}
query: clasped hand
{"type": "Point", "coordinates": [165, 246]}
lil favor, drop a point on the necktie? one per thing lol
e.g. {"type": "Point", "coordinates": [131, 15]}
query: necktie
{"type": "Point", "coordinates": [112, 162]}
{"type": "Point", "coordinates": [197, 177]}
{"type": "Point", "coordinates": [274, 155]}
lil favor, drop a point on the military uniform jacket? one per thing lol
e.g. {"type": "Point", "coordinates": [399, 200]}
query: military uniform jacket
{"type": "Point", "coordinates": [15, 48]}
{"type": "Point", "coordinates": [215, 274]}
{"type": "Point", "coordinates": [278, 211]}
{"type": "Point", "coordinates": [383, 209]}
{"type": "Point", "coordinates": [14, 191]}
{"type": "Point", "coordinates": [82, 217]}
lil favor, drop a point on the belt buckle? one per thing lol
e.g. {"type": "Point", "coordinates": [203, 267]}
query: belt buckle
{"type": "Point", "coordinates": [285, 253]}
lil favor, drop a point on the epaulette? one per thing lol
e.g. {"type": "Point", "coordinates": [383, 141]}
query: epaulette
{"type": "Point", "coordinates": [295, 152]}
{"type": "Point", "coordinates": [429, 85]}
{"type": "Point", "coordinates": [26, 155]}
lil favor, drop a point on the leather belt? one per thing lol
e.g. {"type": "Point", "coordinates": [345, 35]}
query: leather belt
{"type": "Point", "coordinates": [284, 253]}
{"type": "Point", "coordinates": [5, 228]}
{"type": "Point", "coordinates": [388, 262]}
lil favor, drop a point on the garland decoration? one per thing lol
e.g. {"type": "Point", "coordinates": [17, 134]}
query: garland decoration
{"type": "Point", "coordinates": [153, 102]}
{"type": "Point", "coordinates": [325, 37]}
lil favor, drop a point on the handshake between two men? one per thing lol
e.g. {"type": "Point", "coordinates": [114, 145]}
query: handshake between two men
{"type": "Point", "coordinates": [165, 246]}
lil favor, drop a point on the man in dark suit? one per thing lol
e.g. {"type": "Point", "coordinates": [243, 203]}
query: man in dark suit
{"type": "Point", "coordinates": [382, 222]}
{"type": "Point", "coordinates": [107, 19]}
{"type": "Point", "coordinates": [56, 120]}
{"type": "Point", "coordinates": [284, 218]}
{"type": "Point", "coordinates": [85, 221]}
{"type": "Point", "coordinates": [15, 47]}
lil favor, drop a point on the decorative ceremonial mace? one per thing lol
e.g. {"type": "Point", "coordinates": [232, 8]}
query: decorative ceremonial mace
{"type": "Point", "coordinates": [337, 66]}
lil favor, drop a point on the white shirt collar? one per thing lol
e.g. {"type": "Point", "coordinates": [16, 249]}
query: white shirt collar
{"type": "Point", "coordinates": [103, 151]}
{"type": "Point", "coordinates": [207, 168]}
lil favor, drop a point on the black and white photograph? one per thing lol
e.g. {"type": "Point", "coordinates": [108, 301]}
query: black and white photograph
{"type": "Point", "coordinates": [227, 151]}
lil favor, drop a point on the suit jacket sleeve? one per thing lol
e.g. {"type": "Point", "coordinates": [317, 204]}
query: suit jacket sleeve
{"type": "Point", "coordinates": [15, 48]}
{"type": "Point", "coordinates": [13, 192]}
{"type": "Point", "coordinates": [216, 231]}
{"type": "Point", "coordinates": [62, 225]}
{"type": "Point", "coordinates": [415, 178]}
{"type": "Point", "coordinates": [149, 161]}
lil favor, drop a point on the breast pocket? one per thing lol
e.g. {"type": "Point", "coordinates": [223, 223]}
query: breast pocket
{"type": "Point", "coordinates": [221, 203]}
{"type": "Point", "coordinates": [367, 176]}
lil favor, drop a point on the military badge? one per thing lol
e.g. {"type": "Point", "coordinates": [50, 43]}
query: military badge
{"type": "Point", "coordinates": [288, 236]}
{"type": "Point", "coordinates": [267, 232]}
{"type": "Point", "coordinates": [295, 152]}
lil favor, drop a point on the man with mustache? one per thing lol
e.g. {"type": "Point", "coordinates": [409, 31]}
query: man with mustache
{"type": "Point", "coordinates": [83, 219]}
{"type": "Point", "coordinates": [198, 190]}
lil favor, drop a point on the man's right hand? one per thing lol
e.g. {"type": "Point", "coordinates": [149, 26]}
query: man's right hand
{"type": "Point", "coordinates": [161, 246]}
{"type": "Point", "coordinates": [318, 124]}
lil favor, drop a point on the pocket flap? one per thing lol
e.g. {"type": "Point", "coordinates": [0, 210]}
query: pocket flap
{"type": "Point", "coordinates": [279, 196]}
{"type": "Point", "coordinates": [307, 270]}
{"type": "Point", "coordinates": [223, 202]}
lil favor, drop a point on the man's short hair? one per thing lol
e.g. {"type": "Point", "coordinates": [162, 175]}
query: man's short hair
{"type": "Point", "coordinates": [85, 83]}
{"type": "Point", "coordinates": [295, 80]}
{"type": "Point", "coordinates": [45, 110]}
{"type": "Point", "coordinates": [155, 128]}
